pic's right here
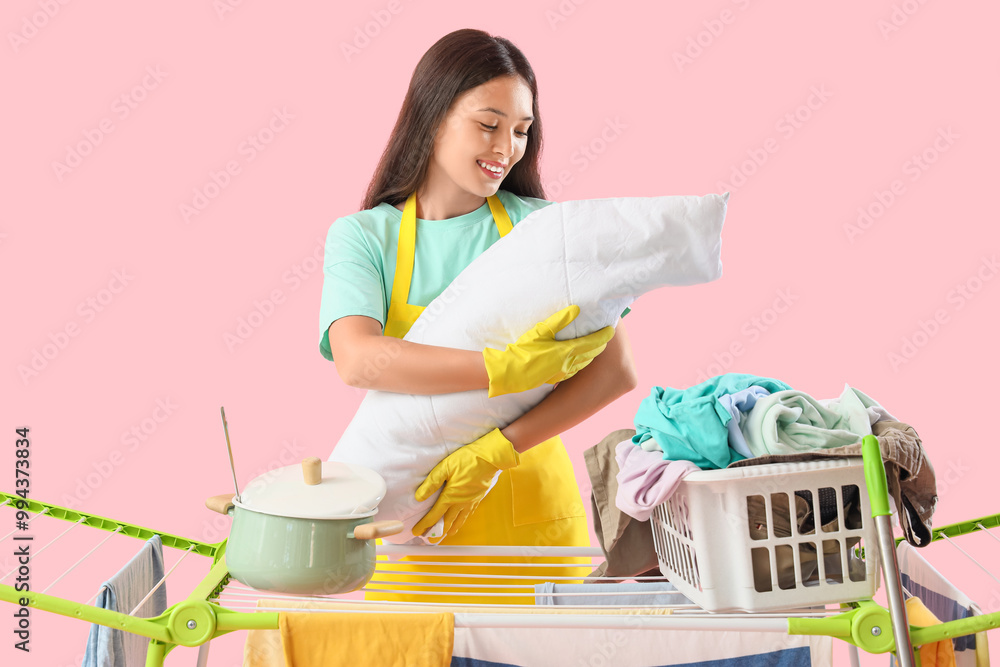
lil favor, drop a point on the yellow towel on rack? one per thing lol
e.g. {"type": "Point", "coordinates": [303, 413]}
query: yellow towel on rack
{"type": "Point", "coordinates": [325, 639]}
{"type": "Point", "coordinates": [938, 654]}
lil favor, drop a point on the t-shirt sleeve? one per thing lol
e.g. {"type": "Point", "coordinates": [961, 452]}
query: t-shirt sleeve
{"type": "Point", "coordinates": [352, 283]}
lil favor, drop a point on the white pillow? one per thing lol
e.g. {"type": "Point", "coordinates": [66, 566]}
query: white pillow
{"type": "Point", "coordinates": [599, 254]}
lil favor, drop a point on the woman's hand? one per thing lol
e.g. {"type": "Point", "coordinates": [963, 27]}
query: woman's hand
{"type": "Point", "coordinates": [537, 358]}
{"type": "Point", "coordinates": [466, 475]}
{"type": "Point", "coordinates": [610, 375]}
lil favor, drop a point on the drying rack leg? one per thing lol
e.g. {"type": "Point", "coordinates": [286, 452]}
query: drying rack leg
{"type": "Point", "coordinates": [894, 592]}
{"type": "Point", "coordinates": [203, 654]}
{"type": "Point", "coordinates": [879, 496]}
{"type": "Point", "coordinates": [155, 653]}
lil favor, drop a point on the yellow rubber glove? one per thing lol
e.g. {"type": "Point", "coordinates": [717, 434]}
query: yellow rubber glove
{"type": "Point", "coordinates": [466, 474]}
{"type": "Point", "coordinates": [537, 357]}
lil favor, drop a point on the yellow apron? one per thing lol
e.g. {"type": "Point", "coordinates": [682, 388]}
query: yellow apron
{"type": "Point", "coordinates": [535, 504]}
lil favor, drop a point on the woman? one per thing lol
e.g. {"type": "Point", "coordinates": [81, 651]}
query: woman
{"type": "Point", "coordinates": [469, 124]}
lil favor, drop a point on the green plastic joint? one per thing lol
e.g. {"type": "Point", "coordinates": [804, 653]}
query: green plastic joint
{"type": "Point", "coordinates": [868, 627]}
{"type": "Point", "coordinates": [871, 629]}
{"type": "Point", "coordinates": [192, 622]}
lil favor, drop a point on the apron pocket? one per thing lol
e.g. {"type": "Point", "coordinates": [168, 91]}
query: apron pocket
{"type": "Point", "coordinates": [543, 485]}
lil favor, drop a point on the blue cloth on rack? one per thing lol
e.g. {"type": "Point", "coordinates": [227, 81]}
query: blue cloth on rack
{"type": "Point", "coordinates": [691, 424]}
{"type": "Point", "coordinates": [653, 594]}
{"type": "Point", "coordinates": [107, 647]}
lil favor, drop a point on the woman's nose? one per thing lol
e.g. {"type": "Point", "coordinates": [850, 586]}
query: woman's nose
{"type": "Point", "coordinates": [503, 144]}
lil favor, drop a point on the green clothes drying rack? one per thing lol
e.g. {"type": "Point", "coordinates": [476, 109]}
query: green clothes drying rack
{"type": "Point", "coordinates": [199, 618]}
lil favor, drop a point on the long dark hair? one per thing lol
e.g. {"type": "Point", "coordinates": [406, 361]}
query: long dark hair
{"type": "Point", "coordinates": [460, 60]}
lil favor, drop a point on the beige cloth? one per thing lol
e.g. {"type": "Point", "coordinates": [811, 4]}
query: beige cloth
{"type": "Point", "coordinates": [626, 542]}
{"type": "Point", "coordinates": [909, 475]}
{"type": "Point", "coordinates": [785, 556]}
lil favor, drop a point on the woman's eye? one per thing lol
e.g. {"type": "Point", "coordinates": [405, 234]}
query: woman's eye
{"type": "Point", "coordinates": [493, 127]}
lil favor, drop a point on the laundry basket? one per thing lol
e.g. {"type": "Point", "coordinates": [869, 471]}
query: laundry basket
{"type": "Point", "coordinates": [769, 537]}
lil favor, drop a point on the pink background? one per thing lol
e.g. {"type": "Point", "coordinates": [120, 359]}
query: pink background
{"type": "Point", "coordinates": [896, 78]}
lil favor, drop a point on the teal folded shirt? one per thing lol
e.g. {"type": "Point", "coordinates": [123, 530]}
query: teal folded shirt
{"type": "Point", "coordinates": [690, 424]}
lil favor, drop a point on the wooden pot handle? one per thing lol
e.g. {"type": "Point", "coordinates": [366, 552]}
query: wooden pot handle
{"type": "Point", "coordinates": [369, 531]}
{"type": "Point", "coordinates": [221, 504]}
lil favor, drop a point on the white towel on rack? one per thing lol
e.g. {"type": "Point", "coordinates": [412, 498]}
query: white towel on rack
{"type": "Point", "coordinates": [108, 647]}
{"type": "Point", "coordinates": [635, 647]}
{"type": "Point", "coordinates": [599, 254]}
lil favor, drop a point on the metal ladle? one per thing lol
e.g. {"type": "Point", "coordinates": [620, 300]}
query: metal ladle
{"type": "Point", "coordinates": [232, 465]}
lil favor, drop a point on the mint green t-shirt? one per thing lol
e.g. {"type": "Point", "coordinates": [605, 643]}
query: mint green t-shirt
{"type": "Point", "coordinates": [360, 261]}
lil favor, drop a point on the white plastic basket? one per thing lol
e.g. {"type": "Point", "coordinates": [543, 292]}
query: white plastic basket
{"type": "Point", "coordinates": [739, 539]}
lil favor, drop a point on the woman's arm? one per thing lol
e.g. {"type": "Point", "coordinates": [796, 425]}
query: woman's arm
{"type": "Point", "coordinates": [466, 473]}
{"type": "Point", "coordinates": [610, 375]}
{"type": "Point", "coordinates": [368, 360]}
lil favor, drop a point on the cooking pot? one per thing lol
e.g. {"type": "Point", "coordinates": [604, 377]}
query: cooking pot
{"type": "Point", "coordinates": [306, 530]}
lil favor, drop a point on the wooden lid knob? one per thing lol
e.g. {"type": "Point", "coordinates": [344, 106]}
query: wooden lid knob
{"type": "Point", "coordinates": [312, 470]}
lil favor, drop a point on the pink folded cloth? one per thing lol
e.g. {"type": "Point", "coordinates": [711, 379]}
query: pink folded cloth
{"type": "Point", "coordinates": [645, 480]}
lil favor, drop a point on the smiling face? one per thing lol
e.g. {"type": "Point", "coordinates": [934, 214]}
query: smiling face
{"type": "Point", "coordinates": [482, 137]}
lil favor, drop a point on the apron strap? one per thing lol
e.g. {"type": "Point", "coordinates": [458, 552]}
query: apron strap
{"type": "Point", "coordinates": [500, 216]}
{"type": "Point", "coordinates": [402, 315]}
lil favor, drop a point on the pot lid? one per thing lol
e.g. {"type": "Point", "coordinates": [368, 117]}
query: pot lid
{"type": "Point", "coordinates": [316, 490]}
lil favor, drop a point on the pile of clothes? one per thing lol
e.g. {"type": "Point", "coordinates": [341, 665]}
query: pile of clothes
{"type": "Point", "coordinates": [736, 420]}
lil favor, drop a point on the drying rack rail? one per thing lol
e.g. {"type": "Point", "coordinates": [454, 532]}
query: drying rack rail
{"type": "Point", "coordinates": [201, 616]}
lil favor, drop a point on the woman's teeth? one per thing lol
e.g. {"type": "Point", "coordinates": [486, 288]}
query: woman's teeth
{"type": "Point", "coordinates": [496, 170]}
